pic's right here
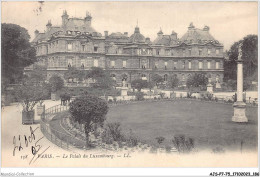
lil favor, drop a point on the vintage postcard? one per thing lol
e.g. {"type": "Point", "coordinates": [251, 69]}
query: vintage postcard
{"type": "Point", "coordinates": [129, 84]}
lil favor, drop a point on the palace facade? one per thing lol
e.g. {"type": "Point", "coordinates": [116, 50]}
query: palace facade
{"type": "Point", "coordinates": [77, 44]}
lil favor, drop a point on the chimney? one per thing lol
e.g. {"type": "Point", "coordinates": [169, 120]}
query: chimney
{"type": "Point", "coordinates": [65, 18]}
{"type": "Point", "coordinates": [126, 34]}
{"type": "Point", "coordinates": [160, 33]}
{"type": "Point", "coordinates": [48, 26]}
{"type": "Point", "coordinates": [147, 40]}
{"type": "Point", "coordinates": [106, 33]}
{"type": "Point", "coordinates": [206, 28]}
{"type": "Point", "coordinates": [88, 18]}
{"type": "Point", "coordinates": [36, 32]}
{"type": "Point", "coordinates": [174, 36]}
{"type": "Point", "coordinates": [191, 26]}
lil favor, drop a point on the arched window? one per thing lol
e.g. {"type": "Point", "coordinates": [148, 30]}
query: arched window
{"type": "Point", "coordinates": [183, 77]}
{"type": "Point", "coordinates": [144, 77]}
{"type": "Point", "coordinates": [165, 77]}
{"type": "Point", "coordinates": [113, 76]}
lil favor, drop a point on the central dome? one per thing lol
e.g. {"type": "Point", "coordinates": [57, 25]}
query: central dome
{"type": "Point", "coordinates": [137, 37]}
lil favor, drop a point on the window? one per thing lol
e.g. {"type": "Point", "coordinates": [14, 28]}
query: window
{"type": "Point", "coordinates": [200, 64]}
{"type": "Point", "coordinates": [95, 49]}
{"type": "Point", "coordinates": [183, 65]}
{"type": "Point", "coordinates": [69, 45]}
{"type": "Point", "coordinates": [69, 63]}
{"type": "Point", "coordinates": [83, 48]}
{"type": "Point", "coordinates": [200, 52]}
{"type": "Point", "coordinates": [209, 51]}
{"type": "Point", "coordinates": [175, 65]}
{"type": "Point", "coordinates": [156, 64]}
{"type": "Point", "coordinates": [165, 77]}
{"type": "Point", "coordinates": [165, 65]}
{"type": "Point", "coordinates": [189, 64]}
{"type": "Point", "coordinates": [183, 52]}
{"type": "Point", "coordinates": [183, 77]}
{"type": "Point", "coordinates": [124, 63]}
{"type": "Point", "coordinates": [167, 52]}
{"type": "Point", "coordinates": [172, 52]}
{"type": "Point", "coordinates": [144, 77]}
{"type": "Point", "coordinates": [189, 52]}
{"type": "Point", "coordinates": [112, 63]}
{"type": "Point", "coordinates": [157, 52]}
{"type": "Point", "coordinates": [217, 65]}
{"type": "Point", "coordinates": [209, 64]}
{"type": "Point", "coordinates": [89, 62]}
{"type": "Point", "coordinates": [95, 62]}
{"type": "Point", "coordinates": [217, 51]}
{"type": "Point", "coordinates": [82, 63]}
{"type": "Point", "coordinates": [113, 76]}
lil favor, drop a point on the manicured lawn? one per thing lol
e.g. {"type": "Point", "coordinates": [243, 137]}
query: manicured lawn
{"type": "Point", "coordinates": [208, 123]}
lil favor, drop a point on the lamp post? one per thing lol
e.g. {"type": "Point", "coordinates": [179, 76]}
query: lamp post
{"type": "Point", "coordinates": [239, 105]}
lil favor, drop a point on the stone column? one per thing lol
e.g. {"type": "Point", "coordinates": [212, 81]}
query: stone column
{"type": "Point", "coordinates": [239, 105]}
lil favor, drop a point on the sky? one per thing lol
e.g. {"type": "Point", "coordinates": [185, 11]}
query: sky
{"type": "Point", "coordinates": [228, 21]}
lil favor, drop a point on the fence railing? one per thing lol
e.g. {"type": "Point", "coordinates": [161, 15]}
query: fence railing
{"type": "Point", "coordinates": [61, 139]}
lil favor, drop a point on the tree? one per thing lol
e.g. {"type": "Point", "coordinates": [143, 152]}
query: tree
{"type": "Point", "coordinates": [29, 93]}
{"type": "Point", "coordinates": [56, 83]}
{"type": "Point", "coordinates": [96, 72]}
{"type": "Point", "coordinates": [139, 84]}
{"type": "Point", "coordinates": [156, 78]}
{"type": "Point", "coordinates": [89, 111]}
{"type": "Point", "coordinates": [17, 52]}
{"type": "Point", "coordinates": [197, 80]}
{"type": "Point", "coordinates": [74, 73]}
{"type": "Point", "coordinates": [249, 57]}
{"type": "Point", "coordinates": [173, 81]}
{"type": "Point", "coordinates": [102, 78]}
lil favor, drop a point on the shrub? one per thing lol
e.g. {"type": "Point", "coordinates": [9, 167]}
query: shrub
{"type": "Point", "coordinates": [162, 95]}
{"type": "Point", "coordinates": [218, 150]}
{"type": "Point", "coordinates": [131, 139]}
{"type": "Point", "coordinates": [160, 139]}
{"type": "Point", "coordinates": [113, 132]}
{"type": "Point", "coordinates": [182, 144]}
{"type": "Point", "coordinates": [139, 96]}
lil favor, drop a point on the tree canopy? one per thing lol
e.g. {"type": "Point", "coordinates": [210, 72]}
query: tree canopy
{"type": "Point", "coordinates": [197, 80]}
{"type": "Point", "coordinates": [56, 83]}
{"type": "Point", "coordinates": [102, 78]}
{"type": "Point", "coordinates": [249, 57]}
{"type": "Point", "coordinates": [156, 78]}
{"type": "Point", "coordinates": [17, 52]}
{"type": "Point", "coordinates": [31, 92]}
{"type": "Point", "coordinates": [89, 111]}
{"type": "Point", "coordinates": [73, 72]}
{"type": "Point", "coordinates": [139, 84]}
{"type": "Point", "coordinates": [173, 81]}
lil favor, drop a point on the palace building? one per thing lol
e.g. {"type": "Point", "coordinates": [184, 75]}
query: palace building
{"type": "Point", "coordinates": [77, 44]}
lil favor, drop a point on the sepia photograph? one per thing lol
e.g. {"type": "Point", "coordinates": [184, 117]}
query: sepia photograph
{"type": "Point", "coordinates": [129, 84]}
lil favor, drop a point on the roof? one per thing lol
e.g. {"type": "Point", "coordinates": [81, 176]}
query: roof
{"type": "Point", "coordinates": [162, 40]}
{"type": "Point", "coordinates": [78, 24]}
{"type": "Point", "coordinates": [73, 24]}
{"type": "Point", "coordinates": [137, 37]}
{"type": "Point", "coordinates": [195, 35]}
